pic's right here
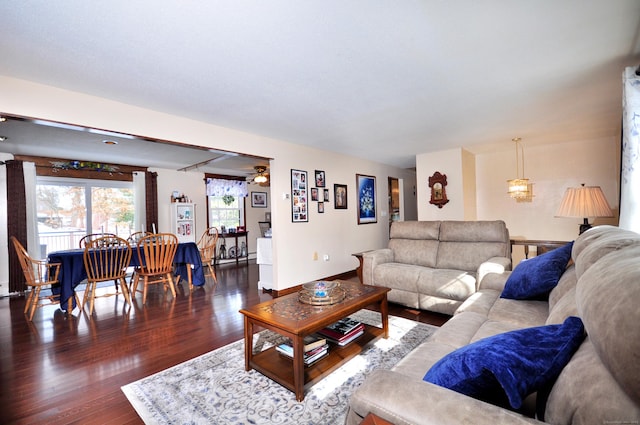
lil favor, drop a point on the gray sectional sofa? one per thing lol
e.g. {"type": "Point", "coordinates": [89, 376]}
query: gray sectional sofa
{"type": "Point", "coordinates": [436, 265]}
{"type": "Point", "coordinates": [600, 384]}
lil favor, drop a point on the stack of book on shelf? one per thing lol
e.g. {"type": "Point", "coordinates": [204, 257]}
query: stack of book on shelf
{"type": "Point", "coordinates": [315, 347]}
{"type": "Point", "coordinates": [343, 331]}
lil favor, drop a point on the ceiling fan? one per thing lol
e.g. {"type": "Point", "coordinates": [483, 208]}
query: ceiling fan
{"type": "Point", "coordinates": [261, 177]}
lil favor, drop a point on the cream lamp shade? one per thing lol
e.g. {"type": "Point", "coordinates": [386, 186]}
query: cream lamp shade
{"type": "Point", "coordinates": [584, 202]}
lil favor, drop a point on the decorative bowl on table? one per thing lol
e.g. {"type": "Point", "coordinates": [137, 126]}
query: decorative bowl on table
{"type": "Point", "coordinates": [321, 292]}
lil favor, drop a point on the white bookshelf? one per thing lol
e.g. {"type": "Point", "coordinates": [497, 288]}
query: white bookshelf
{"type": "Point", "coordinates": [183, 221]}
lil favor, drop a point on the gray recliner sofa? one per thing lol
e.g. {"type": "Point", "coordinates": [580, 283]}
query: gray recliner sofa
{"type": "Point", "coordinates": [437, 265]}
{"type": "Point", "coordinates": [601, 382]}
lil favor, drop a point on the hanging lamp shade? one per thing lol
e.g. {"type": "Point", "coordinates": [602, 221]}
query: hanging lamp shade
{"type": "Point", "coordinates": [519, 188]}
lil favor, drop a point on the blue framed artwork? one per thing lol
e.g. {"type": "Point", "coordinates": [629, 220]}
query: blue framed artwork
{"type": "Point", "coordinates": [366, 199]}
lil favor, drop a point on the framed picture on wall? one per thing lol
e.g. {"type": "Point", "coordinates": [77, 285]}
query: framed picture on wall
{"type": "Point", "coordinates": [320, 181]}
{"type": "Point", "coordinates": [299, 196]}
{"type": "Point", "coordinates": [314, 193]}
{"type": "Point", "coordinates": [326, 195]}
{"type": "Point", "coordinates": [340, 196]}
{"type": "Point", "coordinates": [320, 207]}
{"type": "Point", "coordinates": [259, 199]}
{"type": "Point", "coordinates": [366, 199]}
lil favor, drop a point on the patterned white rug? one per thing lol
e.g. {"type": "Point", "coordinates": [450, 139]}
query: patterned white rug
{"type": "Point", "coordinates": [215, 389]}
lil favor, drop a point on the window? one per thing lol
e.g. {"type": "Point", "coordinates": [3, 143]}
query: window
{"type": "Point", "coordinates": [71, 208]}
{"type": "Point", "coordinates": [229, 215]}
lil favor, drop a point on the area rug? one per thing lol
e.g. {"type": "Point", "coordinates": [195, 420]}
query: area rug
{"type": "Point", "coordinates": [215, 389]}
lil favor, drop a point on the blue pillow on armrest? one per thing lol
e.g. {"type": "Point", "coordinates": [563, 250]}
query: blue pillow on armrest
{"type": "Point", "coordinates": [515, 363]}
{"type": "Point", "coordinates": [536, 277]}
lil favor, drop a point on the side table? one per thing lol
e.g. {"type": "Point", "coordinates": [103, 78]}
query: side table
{"type": "Point", "coordinates": [358, 255]}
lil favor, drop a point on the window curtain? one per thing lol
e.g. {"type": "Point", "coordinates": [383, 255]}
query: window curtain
{"type": "Point", "coordinates": [139, 202]}
{"type": "Point", "coordinates": [630, 168]}
{"type": "Point", "coordinates": [16, 221]}
{"type": "Point", "coordinates": [222, 187]}
{"type": "Point", "coordinates": [151, 199]}
{"type": "Point", "coordinates": [31, 208]}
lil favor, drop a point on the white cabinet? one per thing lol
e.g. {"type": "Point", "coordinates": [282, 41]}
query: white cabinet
{"type": "Point", "coordinates": [183, 221]}
{"type": "Point", "coordinates": [265, 260]}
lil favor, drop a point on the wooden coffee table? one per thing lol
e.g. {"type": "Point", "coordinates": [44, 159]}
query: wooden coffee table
{"type": "Point", "coordinates": [289, 317]}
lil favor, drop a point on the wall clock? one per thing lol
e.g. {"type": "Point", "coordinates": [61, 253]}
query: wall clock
{"type": "Point", "coordinates": [438, 183]}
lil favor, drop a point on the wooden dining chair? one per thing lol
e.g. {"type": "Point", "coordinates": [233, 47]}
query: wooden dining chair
{"type": "Point", "coordinates": [106, 258]}
{"type": "Point", "coordinates": [155, 255]}
{"type": "Point", "coordinates": [133, 240]}
{"type": "Point", "coordinates": [106, 242]}
{"type": "Point", "coordinates": [39, 274]}
{"type": "Point", "coordinates": [91, 236]}
{"type": "Point", "coordinates": [207, 246]}
{"type": "Point", "coordinates": [135, 237]}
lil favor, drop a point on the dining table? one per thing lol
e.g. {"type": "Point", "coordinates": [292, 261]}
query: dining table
{"type": "Point", "coordinates": [187, 265]}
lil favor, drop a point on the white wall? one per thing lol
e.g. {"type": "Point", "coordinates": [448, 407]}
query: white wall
{"type": "Point", "coordinates": [192, 185]}
{"type": "Point", "coordinates": [254, 215]}
{"type": "Point", "coordinates": [449, 163]}
{"type": "Point", "coordinates": [552, 169]}
{"type": "Point", "coordinates": [469, 187]}
{"type": "Point", "coordinates": [335, 232]}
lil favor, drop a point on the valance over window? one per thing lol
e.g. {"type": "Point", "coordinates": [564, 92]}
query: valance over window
{"type": "Point", "coordinates": [221, 187]}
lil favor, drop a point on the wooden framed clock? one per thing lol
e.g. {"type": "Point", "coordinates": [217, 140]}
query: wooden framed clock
{"type": "Point", "coordinates": [438, 183]}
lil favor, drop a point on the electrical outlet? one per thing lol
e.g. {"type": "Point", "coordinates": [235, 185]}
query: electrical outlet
{"type": "Point", "coordinates": [325, 257]}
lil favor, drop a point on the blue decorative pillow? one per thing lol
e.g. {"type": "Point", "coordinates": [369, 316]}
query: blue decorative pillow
{"type": "Point", "coordinates": [534, 278]}
{"type": "Point", "coordinates": [515, 363]}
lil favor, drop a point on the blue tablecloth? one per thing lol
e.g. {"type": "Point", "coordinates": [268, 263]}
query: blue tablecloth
{"type": "Point", "coordinates": [72, 270]}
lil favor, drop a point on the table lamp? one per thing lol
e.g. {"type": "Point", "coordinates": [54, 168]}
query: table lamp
{"type": "Point", "coordinates": [584, 202]}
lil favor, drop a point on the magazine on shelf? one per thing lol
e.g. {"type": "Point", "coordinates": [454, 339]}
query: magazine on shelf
{"type": "Point", "coordinates": [339, 337]}
{"type": "Point", "coordinates": [350, 338]}
{"type": "Point", "coordinates": [310, 342]}
{"type": "Point", "coordinates": [309, 357]}
{"type": "Point", "coordinates": [341, 327]}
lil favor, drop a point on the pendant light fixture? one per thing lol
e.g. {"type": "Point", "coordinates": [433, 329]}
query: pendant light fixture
{"type": "Point", "coordinates": [519, 188]}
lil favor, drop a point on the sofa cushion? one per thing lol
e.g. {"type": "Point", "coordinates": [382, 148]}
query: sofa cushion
{"type": "Point", "coordinates": [422, 252]}
{"type": "Point", "coordinates": [514, 364]}
{"type": "Point", "coordinates": [524, 313]}
{"type": "Point", "coordinates": [466, 256]}
{"type": "Point", "coordinates": [397, 276]}
{"type": "Point", "coordinates": [459, 330]}
{"type": "Point", "coordinates": [587, 393]}
{"type": "Point", "coordinates": [415, 242]}
{"type": "Point", "coordinates": [465, 245]}
{"type": "Point", "coordinates": [611, 241]}
{"type": "Point", "coordinates": [429, 230]}
{"type": "Point", "coordinates": [536, 277]}
{"type": "Point", "coordinates": [480, 302]}
{"type": "Point", "coordinates": [452, 284]}
{"type": "Point", "coordinates": [607, 297]}
{"type": "Point", "coordinates": [567, 281]}
{"type": "Point", "coordinates": [475, 231]}
{"type": "Point", "coordinates": [564, 308]}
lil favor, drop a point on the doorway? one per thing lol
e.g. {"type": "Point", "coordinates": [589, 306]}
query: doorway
{"type": "Point", "coordinates": [394, 200]}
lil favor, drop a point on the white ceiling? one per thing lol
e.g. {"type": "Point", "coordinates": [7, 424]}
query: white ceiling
{"type": "Point", "coordinates": [384, 80]}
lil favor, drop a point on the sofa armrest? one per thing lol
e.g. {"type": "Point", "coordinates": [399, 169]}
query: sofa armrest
{"type": "Point", "coordinates": [403, 400]}
{"type": "Point", "coordinates": [493, 265]}
{"type": "Point", "coordinates": [371, 259]}
{"type": "Point", "coordinates": [494, 281]}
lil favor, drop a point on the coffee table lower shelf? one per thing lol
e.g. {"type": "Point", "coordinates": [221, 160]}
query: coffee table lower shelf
{"type": "Point", "coordinates": [280, 368]}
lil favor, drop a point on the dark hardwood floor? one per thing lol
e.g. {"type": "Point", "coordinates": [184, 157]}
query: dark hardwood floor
{"type": "Point", "coordinates": [62, 369]}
